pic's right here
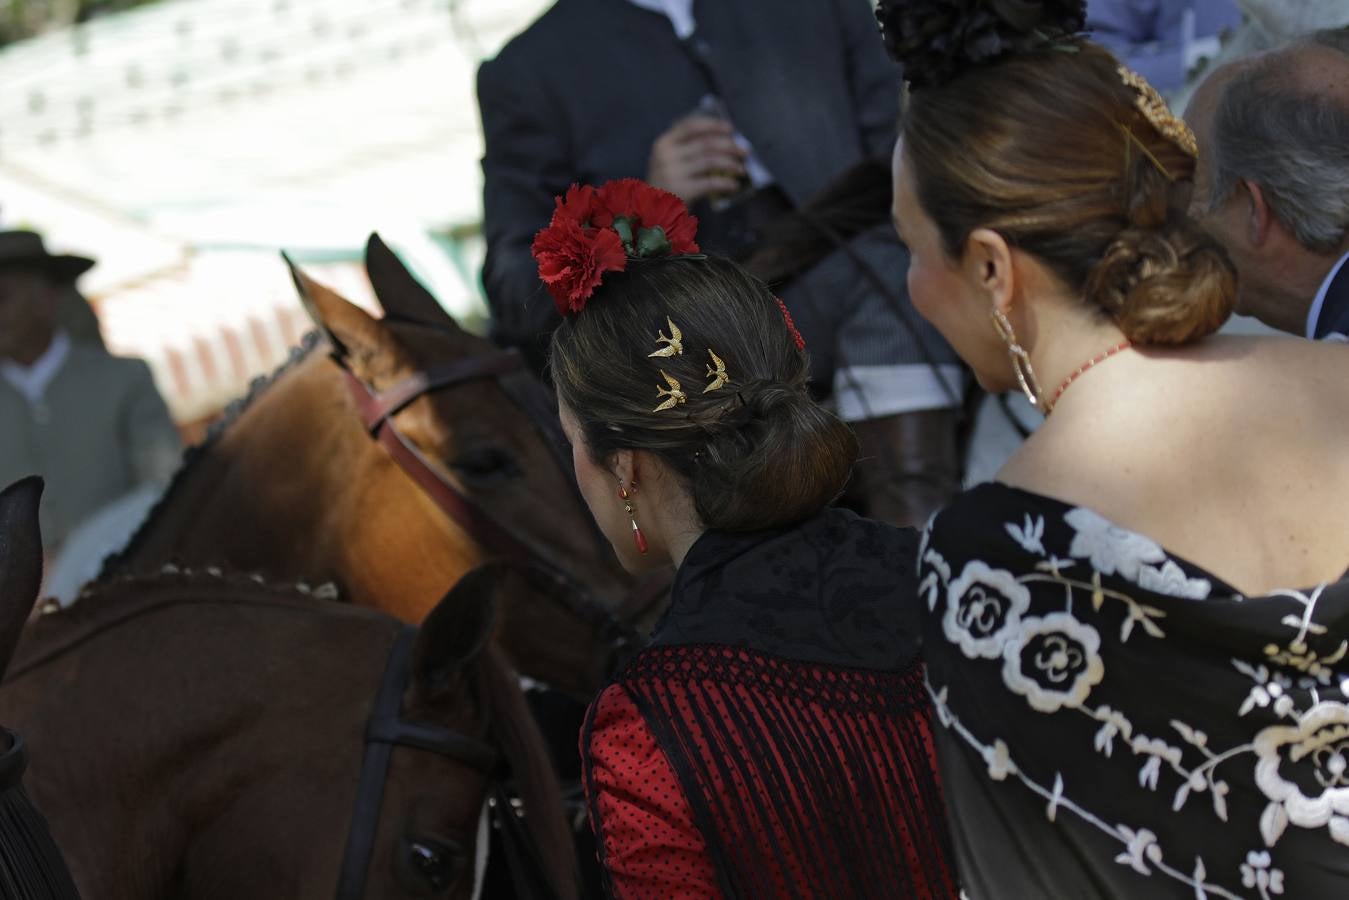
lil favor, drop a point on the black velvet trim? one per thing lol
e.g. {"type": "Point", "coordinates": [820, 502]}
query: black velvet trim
{"type": "Point", "coordinates": [836, 590]}
{"type": "Point", "coordinates": [31, 866]}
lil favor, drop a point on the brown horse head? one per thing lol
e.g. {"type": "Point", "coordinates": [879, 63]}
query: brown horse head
{"type": "Point", "coordinates": [20, 560]}
{"type": "Point", "coordinates": [297, 488]}
{"type": "Point", "coordinates": [202, 736]}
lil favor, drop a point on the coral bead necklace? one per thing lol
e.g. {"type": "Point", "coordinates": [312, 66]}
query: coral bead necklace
{"type": "Point", "coordinates": [1076, 373]}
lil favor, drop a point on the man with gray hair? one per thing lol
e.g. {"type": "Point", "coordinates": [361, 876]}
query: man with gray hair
{"type": "Point", "coordinates": [1272, 182]}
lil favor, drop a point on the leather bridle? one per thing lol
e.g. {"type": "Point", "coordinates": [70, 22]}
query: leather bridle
{"type": "Point", "coordinates": [507, 369]}
{"type": "Point", "coordinates": [387, 729]}
{"type": "Point", "coordinates": [612, 628]}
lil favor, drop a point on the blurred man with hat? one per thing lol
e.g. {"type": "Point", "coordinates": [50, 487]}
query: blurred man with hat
{"type": "Point", "coordinates": [93, 424]}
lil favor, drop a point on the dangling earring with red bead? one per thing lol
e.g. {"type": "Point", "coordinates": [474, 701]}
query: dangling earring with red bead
{"type": "Point", "coordinates": [637, 537]}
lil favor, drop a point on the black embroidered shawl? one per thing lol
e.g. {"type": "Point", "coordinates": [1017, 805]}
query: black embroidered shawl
{"type": "Point", "coordinates": [784, 688]}
{"type": "Point", "coordinates": [1113, 721]}
{"type": "Point", "coordinates": [31, 865]}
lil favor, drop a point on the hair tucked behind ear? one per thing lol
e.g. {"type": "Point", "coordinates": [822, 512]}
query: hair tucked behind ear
{"type": "Point", "coordinates": [755, 453]}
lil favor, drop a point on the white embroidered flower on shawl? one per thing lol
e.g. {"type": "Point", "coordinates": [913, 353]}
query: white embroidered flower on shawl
{"type": "Point", "coordinates": [1029, 536]}
{"type": "Point", "coordinates": [1112, 549]}
{"type": "Point", "coordinates": [1140, 847]}
{"type": "Point", "coordinates": [1053, 662]}
{"type": "Point", "coordinates": [984, 607]}
{"type": "Point", "coordinates": [1257, 873]}
{"type": "Point", "coordinates": [936, 574]}
{"type": "Point", "coordinates": [999, 761]}
{"type": "Point", "coordinates": [1172, 581]}
{"type": "Point", "coordinates": [1304, 770]}
{"type": "Point", "coordinates": [1109, 547]}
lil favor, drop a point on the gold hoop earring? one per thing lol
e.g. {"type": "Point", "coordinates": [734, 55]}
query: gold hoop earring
{"type": "Point", "coordinates": [1025, 375]}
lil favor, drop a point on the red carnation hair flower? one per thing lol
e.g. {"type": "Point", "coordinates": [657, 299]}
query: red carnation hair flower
{"type": "Point", "coordinates": [648, 207]}
{"type": "Point", "coordinates": [573, 260]}
{"type": "Point", "coordinates": [595, 231]}
{"type": "Point", "coordinates": [579, 204]}
{"type": "Point", "coordinates": [791, 326]}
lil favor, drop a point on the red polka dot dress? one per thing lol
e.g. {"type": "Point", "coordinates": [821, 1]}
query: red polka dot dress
{"type": "Point", "coordinates": [773, 740]}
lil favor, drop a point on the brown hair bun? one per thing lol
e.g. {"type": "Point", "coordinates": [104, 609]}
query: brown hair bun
{"type": "Point", "coordinates": [778, 458]}
{"type": "Point", "coordinates": [1170, 285]}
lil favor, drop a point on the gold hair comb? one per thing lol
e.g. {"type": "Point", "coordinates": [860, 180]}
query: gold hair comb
{"type": "Point", "coordinates": [1155, 110]}
{"type": "Point", "coordinates": [718, 374]}
{"type": "Point", "coordinates": [674, 344]}
{"type": "Point", "coordinates": [675, 396]}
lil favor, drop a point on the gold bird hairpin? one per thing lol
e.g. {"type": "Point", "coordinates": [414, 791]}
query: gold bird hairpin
{"type": "Point", "coordinates": [675, 396]}
{"type": "Point", "coordinates": [674, 344]}
{"type": "Point", "coordinates": [718, 374]}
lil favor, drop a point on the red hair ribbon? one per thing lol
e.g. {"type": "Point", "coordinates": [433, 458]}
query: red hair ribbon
{"type": "Point", "coordinates": [791, 326]}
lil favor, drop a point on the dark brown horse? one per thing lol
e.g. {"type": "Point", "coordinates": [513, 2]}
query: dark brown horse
{"type": "Point", "coordinates": [20, 560]}
{"type": "Point", "coordinates": [31, 866]}
{"type": "Point", "coordinates": [296, 488]}
{"type": "Point", "coordinates": [202, 736]}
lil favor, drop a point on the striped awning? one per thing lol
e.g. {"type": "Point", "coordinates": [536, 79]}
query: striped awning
{"type": "Point", "coordinates": [211, 324]}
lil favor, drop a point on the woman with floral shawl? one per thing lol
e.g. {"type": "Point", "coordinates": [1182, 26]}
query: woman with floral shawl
{"type": "Point", "coordinates": [1132, 701]}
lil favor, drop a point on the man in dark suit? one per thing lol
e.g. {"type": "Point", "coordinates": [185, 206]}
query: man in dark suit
{"type": "Point", "coordinates": [1273, 181]}
{"type": "Point", "coordinates": [745, 109]}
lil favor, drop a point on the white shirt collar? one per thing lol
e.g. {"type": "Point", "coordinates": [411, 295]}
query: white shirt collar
{"type": "Point", "coordinates": [1314, 313]}
{"type": "Point", "coordinates": [679, 12]}
{"type": "Point", "coordinates": [32, 381]}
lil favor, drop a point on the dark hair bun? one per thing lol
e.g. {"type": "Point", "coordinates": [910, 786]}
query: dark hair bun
{"type": "Point", "coordinates": [935, 40]}
{"type": "Point", "coordinates": [777, 459]}
{"type": "Point", "coordinates": [1170, 285]}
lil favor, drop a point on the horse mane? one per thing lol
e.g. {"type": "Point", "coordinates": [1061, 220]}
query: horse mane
{"type": "Point", "coordinates": [192, 455]}
{"type": "Point", "coordinates": [516, 732]}
{"type": "Point", "coordinates": [169, 588]}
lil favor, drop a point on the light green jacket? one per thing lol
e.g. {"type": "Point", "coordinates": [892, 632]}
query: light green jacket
{"type": "Point", "coordinates": [101, 430]}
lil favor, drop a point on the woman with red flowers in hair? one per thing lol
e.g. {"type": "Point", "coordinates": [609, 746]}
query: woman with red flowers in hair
{"type": "Point", "coordinates": [772, 740]}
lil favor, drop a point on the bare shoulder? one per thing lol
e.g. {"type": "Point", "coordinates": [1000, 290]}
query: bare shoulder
{"type": "Point", "coordinates": [1230, 407]}
{"type": "Point", "coordinates": [1274, 382]}
{"type": "Point", "coordinates": [1263, 353]}
{"type": "Point", "coordinates": [1231, 453]}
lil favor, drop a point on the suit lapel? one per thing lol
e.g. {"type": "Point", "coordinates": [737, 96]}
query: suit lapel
{"type": "Point", "coordinates": [1334, 317]}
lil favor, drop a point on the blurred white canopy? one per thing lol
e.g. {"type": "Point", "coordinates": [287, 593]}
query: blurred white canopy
{"type": "Point", "coordinates": [182, 143]}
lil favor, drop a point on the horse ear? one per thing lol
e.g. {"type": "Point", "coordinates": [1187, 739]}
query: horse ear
{"type": "Point", "coordinates": [454, 633]}
{"type": "Point", "coordinates": [398, 290]}
{"type": "Point", "coordinates": [20, 560]}
{"type": "Point", "coordinates": [353, 332]}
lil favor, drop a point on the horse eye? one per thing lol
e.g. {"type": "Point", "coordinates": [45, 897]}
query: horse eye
{"type": "Point", "coordinates": [435, 863]}
{"type": "Point", "coordinates": [485, 464]}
